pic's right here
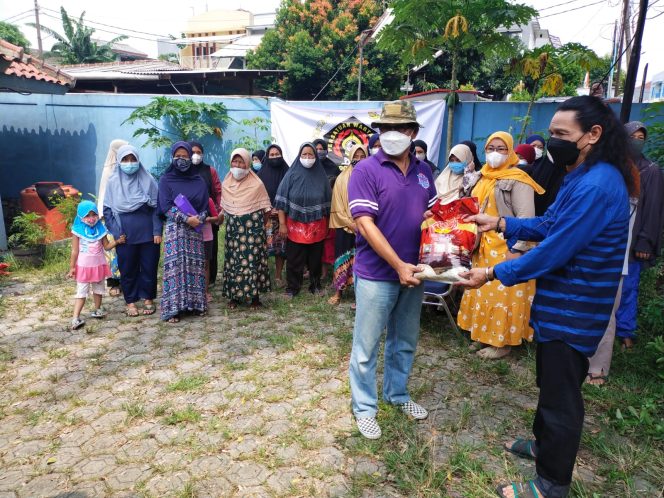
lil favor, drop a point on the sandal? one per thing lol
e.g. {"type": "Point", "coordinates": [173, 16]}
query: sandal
{"type": "Point", "coordinates": [493, 353]}
{"type": "Point", "coordinates": [524, 448]}
{"type": "Point", "coordinates": [174, 319]}
{"type": "Point", "coordinates": [114, 291]}
{"type": "Point", "coordinates": [232, 304]}
{"type": "Point", "coordinates": [334, 300]}
{"type": "Point", "coordinates": [596, 379]}
{"type": "Point", "coordinates": [521, 490]}
{"type": "Point", "coordinates": [131, 310]}
{"type": "Point", "coordinates": [149, 309]}
{"type": "Point", "coordinates": [255, 305]}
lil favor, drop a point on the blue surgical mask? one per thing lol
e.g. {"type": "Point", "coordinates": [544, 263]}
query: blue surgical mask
{"type": "Point", "coordinates": [181, 163]}
{"type": "Point", "coordinates": [257, 165]}
{"type": "Point", "coordinates": [130, 168]}
{"type": "Point", "coordinates": [456, 167]}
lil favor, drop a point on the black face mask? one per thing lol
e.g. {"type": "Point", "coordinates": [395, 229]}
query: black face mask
{"type": "Point", "coordinates": [274, 161]}
{"type": "Point", "coordinates": [563, 152]}
{"type": "Point", "coordinates": [355, 161]}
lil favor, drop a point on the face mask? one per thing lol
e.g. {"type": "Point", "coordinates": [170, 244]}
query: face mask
{"type": "Point", "coordinates": [637, 145]}
{"type": "Point", "coordinates": [456, 167]}
{"type": "Point", "coordinates": [129, 168]}
{"type": "Point", "coordinates": [239, 173]}
{"type": "Point", "coordinates": [355, 161]}
{"type": "Point", "coordinates": [257, 165]}
{"type": "Point", "coordinates": [307, 163]}
{"type": "Point", "coordinates": [90, 220]}
{"type": "Point", "coordinates": [196, 159]}
{"type": "Point", "coordinates": [495, 159]}
{"type": "Point", "coordinates": [374, 151]}
{"type": "Point", "coordinates": [274, 161]}
{"type": "Point", "coordinates": [563, 152]}
{"type": "Point", "coordinates": [394, 143]}
{"type": "Point", "coordinates": [523, 162]}
{"type": "Point", "coordinates": [321, 153]}
{"type": "Point", "coordinates": [181, 163]}
{"type": "Point", "coordinates": [421, 157]}
{"type": "Point", "coordinates": [538, 153]}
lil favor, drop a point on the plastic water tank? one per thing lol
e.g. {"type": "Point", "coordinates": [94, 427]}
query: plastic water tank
{"type": "Point", "coordinates": [41, 198]}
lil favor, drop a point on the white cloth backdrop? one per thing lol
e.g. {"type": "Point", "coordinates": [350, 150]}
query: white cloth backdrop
{"type": "Point", "coordinates": [296, 123]}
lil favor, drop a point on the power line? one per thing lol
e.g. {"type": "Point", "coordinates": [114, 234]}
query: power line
{"type": "Point", "coordinates": [337, 71]}
{"type": "Point", "coordinates": [571, 10]}
{"type": "Point", "coordinates": [107, 31]}
{"type": "Point", "coordinates": [559, 5]}
{"type": "Point", "coordinates": [17, 15]}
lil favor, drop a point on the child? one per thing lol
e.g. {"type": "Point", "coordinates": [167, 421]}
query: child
{"type": "Point", "coordinates": [88, 263]}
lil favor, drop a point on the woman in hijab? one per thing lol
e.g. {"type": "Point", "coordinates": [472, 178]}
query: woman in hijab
{"type": "Point", "coordinates": [545, 174]}
{"type": "Point", "coordinates": [459, 177]}
{"type": "Point", "coordinates": [342, 221]}
{"type": "Point", "coordinates": [273, 171]}
{"type": "Point", "coordinates": [113, 283]}
{"type": "Point", "coordinates": [374, 144]}
{"type": "Point", "coordinates": [332, 171]}
{"type": "Point", "coordinates": [420, 148]}
{"type": "Point", "coordinates": [473, 149]}
{"type": "Point", "coordinates": [183, 201]}
{"type": "Point", "coordinates": [246, 205]}
{"type": "Point", "coordinates": [130, 209]}
{"type": "Point", "coordinates": [303, 200]}
{"type": "Point", "coordinates": [496, 315]}
{"type": "Point", "coordinates": [257, 160]}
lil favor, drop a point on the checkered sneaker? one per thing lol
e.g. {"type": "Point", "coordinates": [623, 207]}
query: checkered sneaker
{"type": "Point", "coordinates": [98, 313]}
{"type": "Point", "coordinates": [414, 410]}
{"type": "Point", "coordinates": [368, 427]}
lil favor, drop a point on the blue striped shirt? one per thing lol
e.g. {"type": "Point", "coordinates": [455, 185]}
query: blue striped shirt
{"type": "Point", "coordinates": [579, 260]}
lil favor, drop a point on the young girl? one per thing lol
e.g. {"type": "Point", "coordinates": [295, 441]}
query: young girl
{"type": "Point", "coordinates": [88, 264]}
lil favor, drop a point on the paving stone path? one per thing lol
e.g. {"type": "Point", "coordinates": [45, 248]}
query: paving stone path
{"type": "Point", "coordinates": [232, 404]}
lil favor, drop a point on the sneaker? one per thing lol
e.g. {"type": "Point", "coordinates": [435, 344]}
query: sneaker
{"type": "Point", "coordinates": [77, 323]}
{"type": "Point", "coordinates": [368, 427]}
{"type": "Point", "coordinates": [414, 410]}
{"type": "Point", "coordinates": [98, 313]}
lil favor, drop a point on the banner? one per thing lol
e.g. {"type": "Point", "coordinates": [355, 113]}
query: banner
{"type": "Point", "coordinates": [342, 125]}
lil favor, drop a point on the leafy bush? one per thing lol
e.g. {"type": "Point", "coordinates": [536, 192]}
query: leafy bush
{"type": "Point", "coordinates": [26, 231]}
{"type": "Point", "coordinates": [67, 207]}
{"type": "Point", "coordinates": [655, 123]}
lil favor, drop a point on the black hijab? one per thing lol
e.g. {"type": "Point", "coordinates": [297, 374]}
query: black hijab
{"type": "Point", "coordinates": [425, 148]}
{"type": "Point", "coordinates": [331, 169]}
{"type": "Point", "coordinates": [305, 194]}
{"type": "Point", "coordinates": [188, 183]}
{"type": "Point", "coordinates": [203, 169]}
{"type": "Point", "coordinates": [473, 149]}
{"type": "Point", "coordinates": [273, 171]}
{"type": "Point", "coordinates": [550, 177]}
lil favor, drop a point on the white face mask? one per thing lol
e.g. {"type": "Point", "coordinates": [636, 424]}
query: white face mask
{"type": "Point", "coordinates": [421, 157]}
{"type": "Point", "coordinates": [307, 163]}
{"type": "Point", "coordinates": [495, 159]}
{"type": "Point", "coordinates": [523, 162]}
{"type": "Point", "coordinates": [394, 143]}
{"type": "Point", "coordinates": [374, 151]}
{"type": "Point", "coordinates": [239, 173]}
{"type": "Point", "coordinates": [538, 153]}
{"type": "Point", "coordinates": [196, 158]}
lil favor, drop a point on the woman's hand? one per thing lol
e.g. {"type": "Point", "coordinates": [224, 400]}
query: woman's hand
{"type": "Point", "coordinates": [428, 214]}
{"type": "Point", "coordinates": [193, 221]}
{"type": "Point", "coordinates": [472, 279]}
{"type": "Point", "coordinates": [485, 223]}
{"type": "Point", "coordinates": [283, 229]}
{"type": "Point", "coordinates": [121, 240]}
{"type": "Point", "coordinates": [643, 256]}
{"type": "Point", "coordinates": [156, 239]}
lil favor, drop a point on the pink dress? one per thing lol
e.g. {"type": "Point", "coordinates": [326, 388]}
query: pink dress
{"type": "Point", "coordinates": [91, 265]}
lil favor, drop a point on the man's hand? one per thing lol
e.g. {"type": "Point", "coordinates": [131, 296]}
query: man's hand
{"type": "Point", "coordinates": [406, 272]}
{"type": "Point", "coordinates": [156, 239]}
{"type": "Point", "coordinates": [485, 223]}
{"type": "Point", "coordinates": [643, 256]}
{"type": "Point", "coordinates": [472, 279]}
{"type": "Point", "coordinates": [193, 221]}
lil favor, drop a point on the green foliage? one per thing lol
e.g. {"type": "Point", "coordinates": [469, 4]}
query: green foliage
{"type": "Point", "coordinates": [12, 34]}
{"type": "Point", "coordinates": [171, 57]}
{"type": "Point", "coordinates": [67, 207]}
{"type": "Point", "coordinates": [656, 346]}
{"type": "Point", "coordinates": [314, 39]}
{"type": "Point", "coordinates": [26, 231]}
{"type": "Point", "coordinates": [167, 120]}
{"type": "Point", "coordinates": [76, 45]}
{"type": "Point", "coordinates": [601, 70]}
{"type": "Point", "coordinates": [651, 301]}
{"type": "Point", "coordinates": [645, 417]}
{"type": "Point", "coordinates": [655, 122]}
{"type": "Point", "coordinates": [254, 127]}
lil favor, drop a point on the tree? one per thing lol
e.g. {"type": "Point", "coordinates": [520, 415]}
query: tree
{"type": "Point", "coordinates": [12, 34]}
{"type": "Point", "coordinates": [76, 45]}
{"type": "Point", "coordinates": [316, 41]}
{"type": "Point", "coordinates": [457, 27]}
{"type": "Point", "coordinates": [543, 69]}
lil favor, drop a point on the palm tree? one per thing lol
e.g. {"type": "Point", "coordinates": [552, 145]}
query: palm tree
{"type": "Point", "coordinates": [77, 45]}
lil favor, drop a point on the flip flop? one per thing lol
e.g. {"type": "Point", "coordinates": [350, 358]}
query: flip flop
{"type": "Point", "coordinates": [524, 448]}
{"type": "Point", "coordinates": [603, 379]}
{"type": "Point", "coordinates": [149, 309]}
{"type": "Point", "coordinates": [521, 490]}
{"type": "Point", "coordinates": [173, 319]}
{"type": "Point", "coordinates": [131, 311]}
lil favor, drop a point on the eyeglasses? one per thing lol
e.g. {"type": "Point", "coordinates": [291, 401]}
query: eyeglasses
{"type": "Point", "coordinates": [384, 128]}
{"type": "Point", "coordinates": [491, 148]}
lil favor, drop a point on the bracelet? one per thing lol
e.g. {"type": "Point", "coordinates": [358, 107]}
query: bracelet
{"type": "Point", "coordinates": [488, 274]}
{"type": "Point", "coordinates": [498, 230]}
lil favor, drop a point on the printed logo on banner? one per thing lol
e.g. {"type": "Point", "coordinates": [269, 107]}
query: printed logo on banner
{"type": "Point", "coordinates": [423, 180]}
{"type": "Point", "coordinates": [344, 135]}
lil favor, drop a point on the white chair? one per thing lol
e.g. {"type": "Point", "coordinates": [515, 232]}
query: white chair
{"type": "Point", "coordinates": [435, 294]}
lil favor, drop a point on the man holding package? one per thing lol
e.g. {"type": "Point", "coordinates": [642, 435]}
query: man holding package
{"type": "Point", "coordinates": [388, 194]}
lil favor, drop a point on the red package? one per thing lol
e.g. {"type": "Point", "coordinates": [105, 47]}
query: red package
{"type": "Point", "coordinates": [447, 241]}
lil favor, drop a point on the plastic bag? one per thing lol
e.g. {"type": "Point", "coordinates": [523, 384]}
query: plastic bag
{"type": "Point", "coordinates": [447, 242]}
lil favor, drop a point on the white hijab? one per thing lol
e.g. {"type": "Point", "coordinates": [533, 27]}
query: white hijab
{"type": "Point", "coordinates": [109, 167]}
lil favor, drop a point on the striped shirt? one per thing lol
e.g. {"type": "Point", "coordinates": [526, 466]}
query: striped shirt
{"type": "Point", "coordinates": [396, 202]}
{"type": "Point", "coordinates": [579, 261]}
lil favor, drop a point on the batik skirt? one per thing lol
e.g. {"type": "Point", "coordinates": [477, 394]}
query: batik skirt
{"type": "Point", "coordinates": [276, 243]}
{"type": "Point", "coordinates": [344, 250]}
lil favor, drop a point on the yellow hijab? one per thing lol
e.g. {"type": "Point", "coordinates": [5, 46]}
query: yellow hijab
{"type": "Point", "coordinates": [507, 171]}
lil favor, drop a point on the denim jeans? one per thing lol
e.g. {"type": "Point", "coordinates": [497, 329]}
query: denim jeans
{"type": "Point", "coordinates": [381, 305]}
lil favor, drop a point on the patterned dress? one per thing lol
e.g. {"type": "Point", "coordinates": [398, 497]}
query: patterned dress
{"type": "Point", "coordinates": [276, 243]}
{"type": "Point", "coordinates": [184, 268]}
{"type": "Point", "coordinates": [246, 273]}
{"type": "Point", "coordinates": [344, 248]}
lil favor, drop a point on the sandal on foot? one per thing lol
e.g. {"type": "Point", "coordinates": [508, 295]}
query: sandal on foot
{"type": "Point", "coordinates": [114, 291]}
{"type": "Point", "coordinates": [334, 300]}
{"type": "Point", "coordinates": [255, 305]}
{"type": "Point", "coordinates": [131, 311]}
{"type": "Point", "coordinates": [232, 304]}
{"type": "Point", "coordinates": [149, 309]}
{"type": "Point", "coordinates": [173, 319]}
{"type": "Point", "coordinates": [521, 490]}
{"type": "Point", "coordinates": [596, 379]}
{"type": "Point", "coordinates": [524, 448]}
{"type": "Point", "coordinates": [493, 353]}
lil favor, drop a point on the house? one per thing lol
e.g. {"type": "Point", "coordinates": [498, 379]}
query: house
{"type": "Point", "coordinates": [653, 91]}
{"type": "Point", "coordinates": [532, 35]}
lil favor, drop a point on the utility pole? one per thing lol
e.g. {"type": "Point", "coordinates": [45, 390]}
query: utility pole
{"type": "Point", "coordinates": [623, 42]}
{"type": "Point", "coordinates": [643, 83]}
{"type": "Point", "coordinates": [609, 89]}
{"type": "Point", "coordinates": [630, 80]}
{"type": "Point", "coordinates": [39, 40]}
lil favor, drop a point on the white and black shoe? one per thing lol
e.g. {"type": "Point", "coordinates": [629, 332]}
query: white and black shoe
{"type": "Point", "coordinates": [77, 323]}
{"type": "Point", "coordinates": [368, 427]}
{"type": "Point", "coordinates": [414, 410]}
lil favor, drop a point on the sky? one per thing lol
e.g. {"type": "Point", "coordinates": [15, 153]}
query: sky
{"type": "Point", "coordinates": [589, 22]}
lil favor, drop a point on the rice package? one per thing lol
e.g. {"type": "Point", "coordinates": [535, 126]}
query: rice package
{"type": "Point", "coordinates": [447, 242]}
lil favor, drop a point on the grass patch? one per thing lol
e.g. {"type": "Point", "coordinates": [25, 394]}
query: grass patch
{"type": "Point", "coordinates": [187, 416]}
{"type": "Point", "coordinates": [56, 354]}
{"type": "Point", "coordinates": [134, 411]}
{"type": "Point", "coordinates": [189, 383]}
{"type": "Point", "coordinates": [281, 341]}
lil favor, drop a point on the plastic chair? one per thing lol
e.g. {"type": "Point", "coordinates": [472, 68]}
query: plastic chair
{"type": "Point", "coordinates": [435, 294]}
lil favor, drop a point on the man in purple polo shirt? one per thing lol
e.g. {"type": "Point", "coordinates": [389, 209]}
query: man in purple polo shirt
{"type": "Point", "coordinates": [388, 194]}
